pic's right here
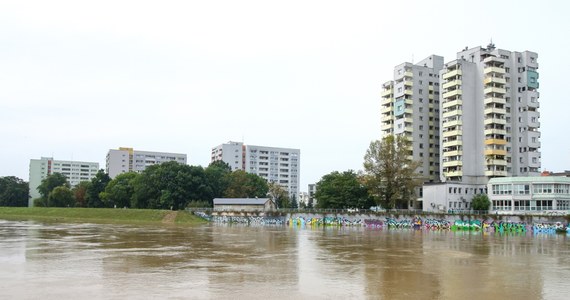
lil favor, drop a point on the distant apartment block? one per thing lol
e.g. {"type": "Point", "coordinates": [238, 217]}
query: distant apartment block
{"type": "Point", "coordinates": [312, 189]}
{"type": "Point", "coordinates": [75, 171]}
{"type": "Point", "coordinates": [129, 160]}
{"type": "Point", "coordinates": [410, 107]}
{"type": "Point", "coordinates": [278, 165]}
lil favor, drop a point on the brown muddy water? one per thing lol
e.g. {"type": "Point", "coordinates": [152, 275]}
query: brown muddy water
{"type": "Point", "coordinates": [46, 260]}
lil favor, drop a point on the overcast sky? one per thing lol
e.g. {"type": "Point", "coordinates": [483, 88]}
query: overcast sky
{"type": "Point", "coordinates": [78, 78]}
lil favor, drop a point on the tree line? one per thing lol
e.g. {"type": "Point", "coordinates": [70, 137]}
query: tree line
{"type": "Point", "coordinates": [168, 185]}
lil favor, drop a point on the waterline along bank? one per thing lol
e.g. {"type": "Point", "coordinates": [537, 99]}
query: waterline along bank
{"type": "Point", "coordinates": [106, 215]}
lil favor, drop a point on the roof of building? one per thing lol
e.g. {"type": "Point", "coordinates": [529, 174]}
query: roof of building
{"type": "Point", "coordinates": [534, 179]}
{"type": "Point", "coordinates": [240, 201]}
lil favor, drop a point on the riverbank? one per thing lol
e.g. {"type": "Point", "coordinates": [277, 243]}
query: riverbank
{"type": "Point", "coordinates": [104, 215]}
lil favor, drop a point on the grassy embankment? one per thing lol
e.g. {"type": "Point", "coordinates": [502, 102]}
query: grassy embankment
{"type": "Point", "coordinates": [106, 215]}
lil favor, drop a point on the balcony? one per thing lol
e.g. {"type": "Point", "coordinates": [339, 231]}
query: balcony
{"type": "Point", "coordinates": [452, 153]}
{"type": "Point", "coordinates": [451, 133]}
{"type": "Point", "coordinates": [495, 110]}
{"type": "Point", "coordinates": [451, 83]}
{"type": "Point", "coordinates": [496, 162]}
{"type": "Point", "coordinates": [385, 109]}
{"type": "Point", "coordinates": [386, 93]}
{"type": "Point", "coordinates": [386, 101]}
{"type": "Point", "coordinates": [454, 143]}
{"type": "Point", "coordinates": [497, 100]}
{"type": "Point", "coordinates": [498, 70]}
{"type": "Point", "coordinates": [409, 83]}
{"type": "Point", "coordinates": [495, 142]}
{"type": "Point", "coordinates": [453, 163]}
{"type": "Point", "coordinates": [489, 121]}
{"type": "Point", "coordinates": [408, 92]}
{"type": "Point", "coordinates": [495, 131]}
{"type": "Point", "coordinates": [495, 90]}
{"type": "Point", "coordinates": [385, 127]}
{"type": "Point", "coordinates": [408, 74]}
{"type": "Point", "coordinates": [452, 93]}
{"type": "Point", "coordinates": [494, 80]}
{"type": "Point", "coordinates": [451, 103]}
{"type": "Point", "coordinates": [452, 174]}
{"type": "Point", "coordinates": [453, 113]}
{"type": "Point", "coordinates": [452, 74]}
{"type": "Point", "coordinates": [495, 152]}
{"type": "Point", "coordinates": [496, 173]}
{"type": "Point", "coordinates": [448, 124]}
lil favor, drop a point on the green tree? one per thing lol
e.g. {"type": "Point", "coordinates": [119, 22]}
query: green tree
{"type": "Point", "coordinates": [294, 203]}
{"type": "Point", "coordinates": [170, 185]}
{"type": "Point", "coordinates": [245, 185]}
{"type": "Point", "coordinates": [97, 186]}
{"type": "Point", "coordinates": [119, 191]}
{"type": "Point", "coordinates": [390, 173]}
{"type": "Point", "coordinates": [80, 193]}
{"type": "Point", "coordinates": [480, 202]}
{"type": "Point", "coordinates": [51, 182]}
{"type": "Point", "coordinates": [13, 191]}
{"type": "Point", "coordinates": [217, 176]}
{"type": "Point", "coordinates": [279, 195]}
{"type": "Point", "coordinates": [342, 190]}
{"type": "Point", "coordinates": [61, 196]}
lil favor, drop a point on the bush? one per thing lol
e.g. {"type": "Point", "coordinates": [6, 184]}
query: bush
{"type": "Point", "coordinates": [480, 202]}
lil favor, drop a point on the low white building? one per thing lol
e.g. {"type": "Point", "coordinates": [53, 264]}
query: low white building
{"type": "Point", "coordinates": [75, 171]}
{"type": "Point", "coordinates": [450, 196]}
{"type": "Point", "coordinates": [243, 204]}
{"type": "Point", "coordinates": [529, 194]}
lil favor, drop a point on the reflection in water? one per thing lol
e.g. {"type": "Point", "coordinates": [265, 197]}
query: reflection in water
{"type": "Point", "coordinates": [104, 261]}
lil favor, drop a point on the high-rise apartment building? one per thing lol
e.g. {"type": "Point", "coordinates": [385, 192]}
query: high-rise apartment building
{"type": "Point", "coordinates": [278, 165]}
{"type": "Point", "coordinates": [489, 124]}
{"type": "Point", "coordinates": [410, 107]}
{"type": "Point", "coordinates": [75, 171]}
{"type": "Point", "coordinates": [489, 112]}
{"type": "Point", "coordinates": [129, 160]}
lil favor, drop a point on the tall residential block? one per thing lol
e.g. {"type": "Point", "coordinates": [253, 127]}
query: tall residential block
{"type": "Point", "coordinates": [410, 107]}
{"type": "Point", "coordinates": [489, 113]}
{"type": "Point", "coordinates": [277, 165]}
{"type": "Point", "coordinates": [129, 160]}
{"type": "Point", "coordinates": [75, 171]}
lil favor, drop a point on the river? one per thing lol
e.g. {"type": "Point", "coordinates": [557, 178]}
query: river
{"type": "Point", "coordinates": [50, 260]}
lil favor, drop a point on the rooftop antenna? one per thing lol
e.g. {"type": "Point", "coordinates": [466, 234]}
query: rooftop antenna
{"type": "Point", "coordinates": [491, 46]}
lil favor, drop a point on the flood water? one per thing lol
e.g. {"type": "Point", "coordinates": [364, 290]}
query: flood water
{"type": "Point", "coordinates": [46, 260]}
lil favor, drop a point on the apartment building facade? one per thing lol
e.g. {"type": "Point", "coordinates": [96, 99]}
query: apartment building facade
{"type": "Point", "coordinates": [490, 118]}
{"type": "Point", "coordinates": [75, 171]}
{"type": "Point", "coordinates": [410, 107]}
{"type": "Point", "coordinates": [277, 165]}
{"type": "Point", "coordinates": [124, 160]}
{"type": "Point", "coordinates": [489, 124]}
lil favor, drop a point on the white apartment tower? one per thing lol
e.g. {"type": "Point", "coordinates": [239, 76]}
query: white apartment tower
{"type": "Point", "coordinates": [410, 107]}
{"type": "Point", "coordinates": [75, 171]}
{"type": "Point", "coordinates": [129, 160]}
{"type": "Point", "coordinates": [278, 165]}
{"type": "Point", "coordinates": [489, 113]}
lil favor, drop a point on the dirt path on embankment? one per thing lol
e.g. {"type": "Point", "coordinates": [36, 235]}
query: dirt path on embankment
{"type": "Point", "coordinates": [169, 217]}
